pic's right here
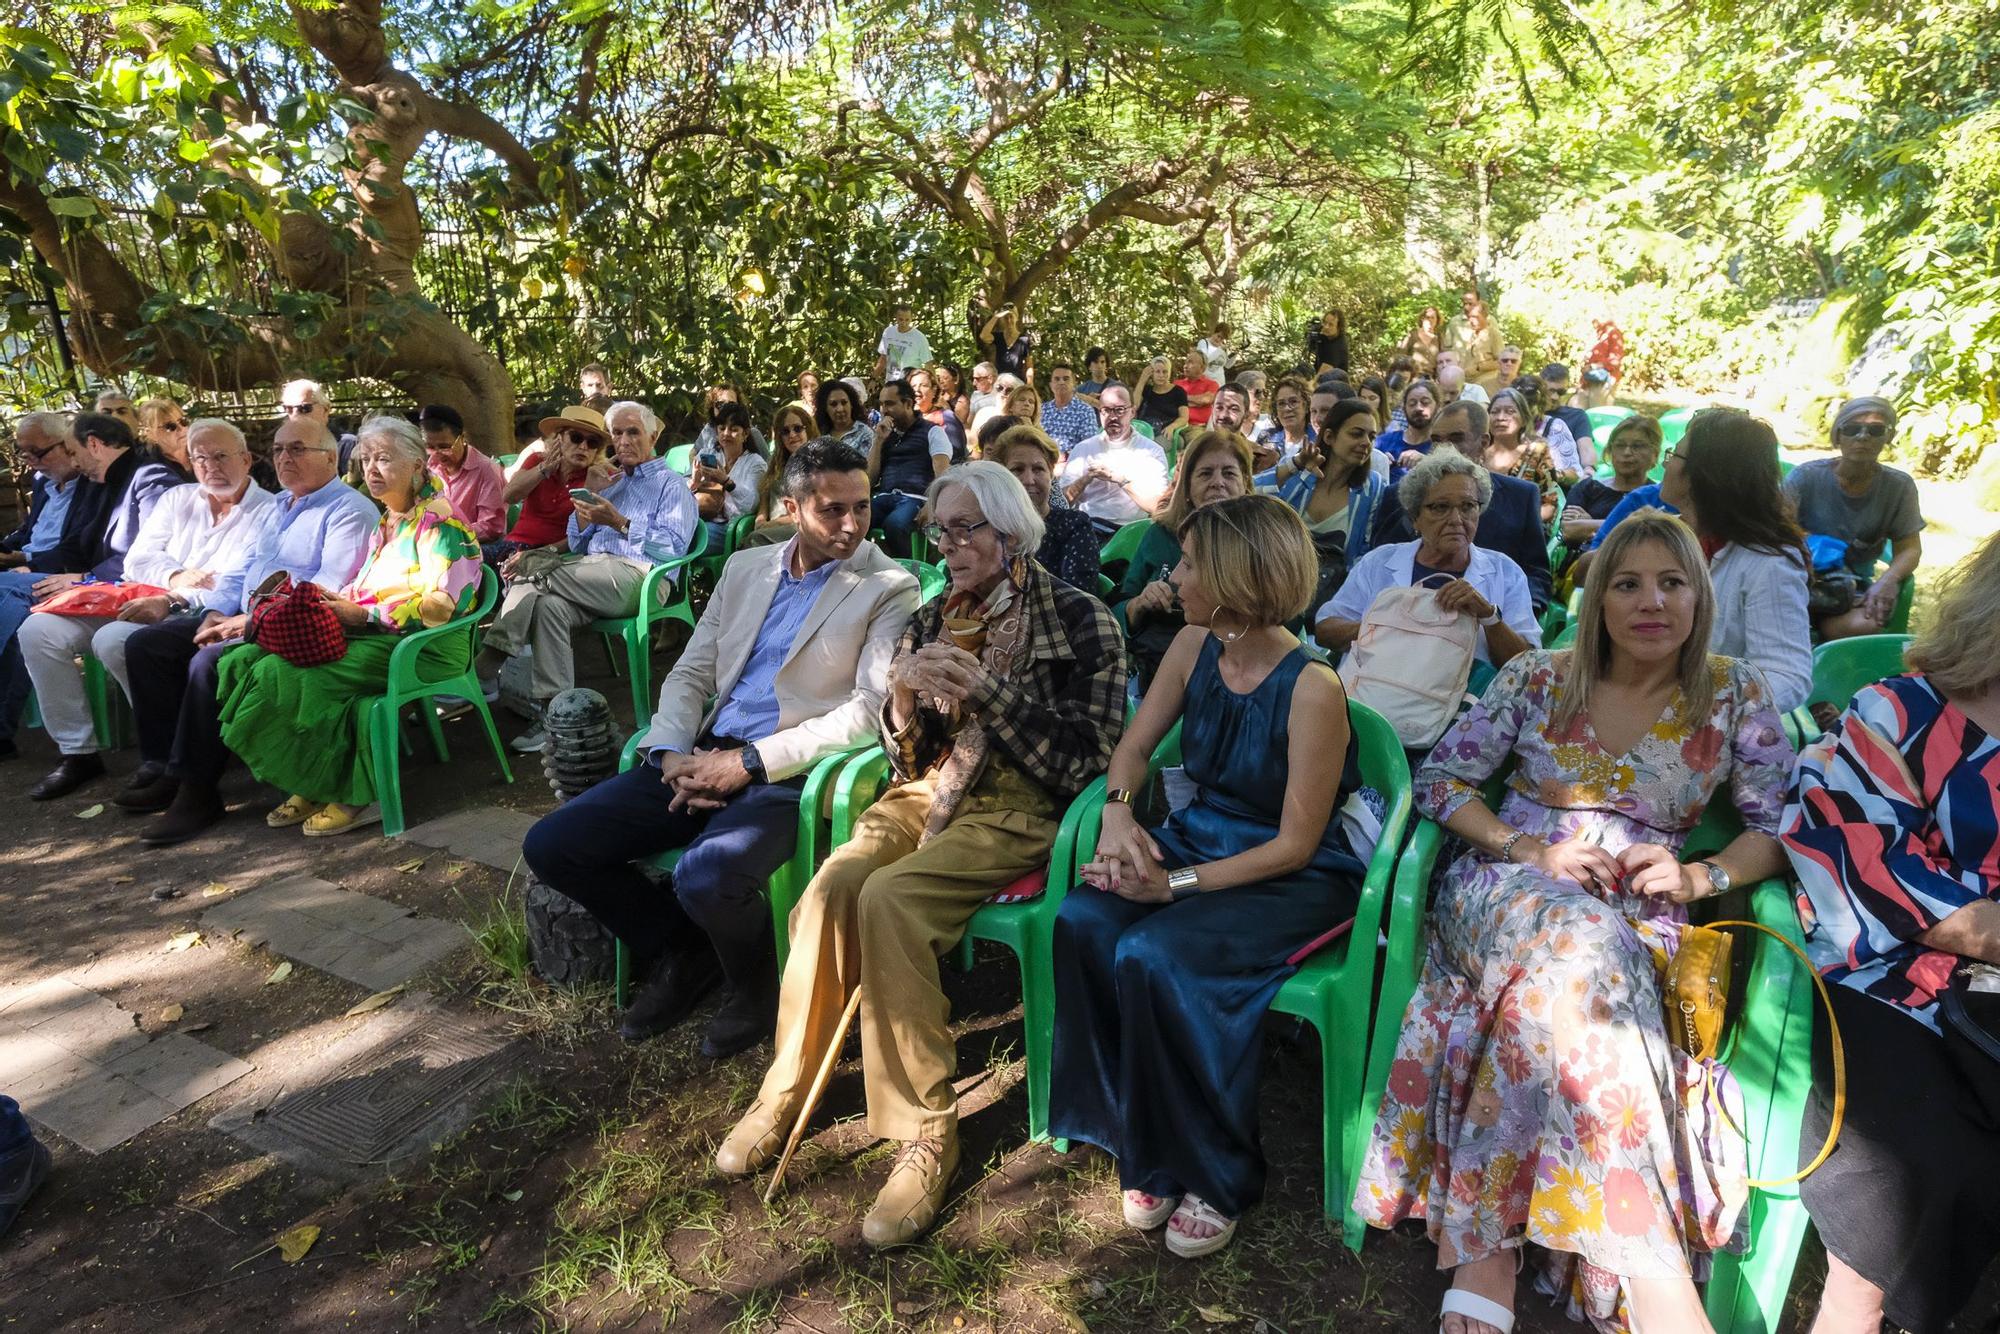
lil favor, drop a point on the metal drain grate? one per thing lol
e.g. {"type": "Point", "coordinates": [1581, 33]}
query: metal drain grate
{"type": "Point", "coordinates": [391, 1102]}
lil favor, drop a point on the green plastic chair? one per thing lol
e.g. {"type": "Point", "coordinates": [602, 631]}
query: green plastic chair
{"type": "Point", "coordinates": [408, 683]}
{"type": "Point", "coordinates": [1027, 927]}
{"type": "Point", "coordinates": [1843, 666]}
{"type": "Point", "coordinates": [681, 459]}
{"type": "Point", "coordinates": [1143, 428]}
{"type": "Point", "coordinates": [784, 888]}
{"type": "Point", "coordinates": [637, 629]}
{"type": "Point", "coordinates": [1124, 544]}
{"type": "Point", "coordinates": [931, 581]}
{"type": "Point", "coordinates": [1564, 637]}
{"type": "Point", "coordinates": [1673, 426]}
{"type": "Point", "coordinates": [110, 713]}
{"type": "Point", "coordinates": [1906, 598]}
{"type": "Point", "coordinates": [1603, 419]}
{"type": "Point", "coordinates": [1768, 1048]}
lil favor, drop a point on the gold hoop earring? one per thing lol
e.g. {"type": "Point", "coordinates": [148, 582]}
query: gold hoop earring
{"type": "Point", "coordinates": [1225, 636]}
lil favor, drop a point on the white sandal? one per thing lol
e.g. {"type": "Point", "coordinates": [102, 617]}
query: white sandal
{"type": "Point", "coordinates": [1460, 1301]}
{"type": "Point", "coordinates": [1200, 1211]}
{"type": "Point", "coordinates": [1137, 1215]}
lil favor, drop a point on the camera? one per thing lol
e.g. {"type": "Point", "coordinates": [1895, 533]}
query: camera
{"type": "Point", "coordinates": [1313, 327]}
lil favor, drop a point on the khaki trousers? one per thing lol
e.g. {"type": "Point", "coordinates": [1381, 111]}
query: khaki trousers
{"type": "Point", "coordinates": [543, 614]}
{"type": "Point", "coordinates": [878, 915]}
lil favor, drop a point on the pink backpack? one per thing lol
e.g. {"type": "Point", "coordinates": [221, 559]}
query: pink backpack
{"type": "Point", "coordinates": [1411, 662]}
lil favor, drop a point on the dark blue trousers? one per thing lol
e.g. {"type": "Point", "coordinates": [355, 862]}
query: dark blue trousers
{"type": "Point", "coordinates": [585, 850]}
{"type": "Point", "coordinates": [15, 599]}
{"type": "Point", "coordinates": [14, 1132]}
{"type": "Point", "coordinates": [896, 515]}
{"type": "Point", "coordinates": [1157, 1043]}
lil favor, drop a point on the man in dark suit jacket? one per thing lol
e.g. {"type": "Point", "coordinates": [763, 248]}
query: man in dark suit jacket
{"type": "Point", "coordinates": [1511, 525]}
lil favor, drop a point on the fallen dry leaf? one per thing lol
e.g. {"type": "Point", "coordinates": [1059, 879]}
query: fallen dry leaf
{"type": "Point", "coordinates": [294, 1244]}
{"type": "Point", "coordinates": [186, 940]}
{"type": "Point", "coordinates": [1215, 1315]}
{"type": "Point", "coordinates": [91, 812]}
{"type": "Point", "coordinates": [215, 890]}
{"type": "Point", "coordinates": [376, 1001]}
{"type": "Point", "coordinates": [414, 864]}
{"type": "Point", "coordinates": [280, 973]}
{"type": "Point", "coordinates": [123, 879]}
{"type": "Point", "coordinates": [201, 1027]}
{"type": "Point", "coordinates": [172, 1014]}
{"type": "Point", "coordinates": [458, 868]}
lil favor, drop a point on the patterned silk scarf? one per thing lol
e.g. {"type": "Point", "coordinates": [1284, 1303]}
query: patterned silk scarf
{"type": "Point", "coordinates": [993, 630]}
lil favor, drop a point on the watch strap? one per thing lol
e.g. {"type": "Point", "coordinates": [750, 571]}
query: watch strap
{"type": "Point", "coordinates": [1122, 795]}
{"type": "Point", "coordinates": [753, 763]}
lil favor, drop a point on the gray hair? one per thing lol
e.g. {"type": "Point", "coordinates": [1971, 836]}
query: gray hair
{"type": "Point", "coordinates": [318, 434]}
{"type": "Point", "coordinates": [1008, 383]}
{"type": "Point", "coordinates": [48, 425]}
{"type": "Point", "coordinates": [401, 436]}
{"type": "Point", "coordinates": [1000, 499]}
{"type": "Point", "coordinates": [1475, 415]}
{"type": "Point", "coordinates": [217, 426]}
{"type": "Point", "coordinates": [648, 422]}
{"type": "Point", "coordinates": [1440, 463]}
{"type": "Point", "coordinates": [319, 394]}
{"type": "Point", "coordinates": [985, 366]}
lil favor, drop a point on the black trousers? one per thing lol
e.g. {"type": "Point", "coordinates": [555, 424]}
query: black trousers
{"type": "Point", "coordinates": [173, 699]}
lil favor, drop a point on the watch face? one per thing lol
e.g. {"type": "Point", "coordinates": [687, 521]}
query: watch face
{"type": "Point", "coordinates": [1717, 877]}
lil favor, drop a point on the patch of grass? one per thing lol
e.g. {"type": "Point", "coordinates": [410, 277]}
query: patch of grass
{"type": "Point", "coordinates": [756, 1310]}
{"type": "Point", "coordinates": [500, 929]}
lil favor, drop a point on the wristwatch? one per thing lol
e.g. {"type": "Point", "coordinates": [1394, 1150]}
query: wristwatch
{"type": "Point", "coordinates": [1184, 882]}
{"type": "Point", "coordinates": [753, 764]}
{"type": "Point", "coordinates": [1718, 879]}
{"type": "Point", "coordinates": [1122, 795]}
{"type": "Point", "coordinates": [1494, 619]}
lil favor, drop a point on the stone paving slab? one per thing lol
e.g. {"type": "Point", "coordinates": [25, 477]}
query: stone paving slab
{"type": "Point", "coordinates": [370, 942]}
{"type": "Point", "coordinates": [490, 835]}
{"type": "Point", "coordinates": [79, 1064]}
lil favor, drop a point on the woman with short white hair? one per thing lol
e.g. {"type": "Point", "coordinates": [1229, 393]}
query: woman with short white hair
{"type": "Point", "coordinates": [1005, 698]}
{"type": "Point", "coordinates": [1444, 495]}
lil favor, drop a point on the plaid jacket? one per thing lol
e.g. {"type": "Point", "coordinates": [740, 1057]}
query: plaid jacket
{"type": "Point", "coordinates": [1060, 715]}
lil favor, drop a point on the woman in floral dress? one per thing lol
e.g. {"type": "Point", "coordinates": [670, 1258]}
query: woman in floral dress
{"type": "Point", "coordinates": [1535, 1095]}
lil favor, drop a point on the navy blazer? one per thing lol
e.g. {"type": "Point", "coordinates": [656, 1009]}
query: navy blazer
{"type": "Point", "coordinates": [1511, 525]}
{"type": "Point", "coordinates": [105, 516]}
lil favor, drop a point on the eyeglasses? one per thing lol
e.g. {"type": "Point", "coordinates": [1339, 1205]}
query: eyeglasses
{"type": "Point", "coordinates": [1438, 509]}
{"type": "Point", "coordinates": [297, 409]}
{"type": "Point", "coordinates": [173, 426]}
{"type": "Point", "coordinates": [210, 459]}
{"type": "Point", "coordinates": [293, 451]}
{"type": "Point", "coordinates": [957, 534]}
{"type": "Point", "coordinates": [1866, 430]}
{"type": "Point", "coordinates": [39, 454]}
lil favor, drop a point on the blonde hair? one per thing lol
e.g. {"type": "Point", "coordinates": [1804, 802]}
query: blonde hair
{"type": "Point", "coordinates": [1034, 399]}
{"type": "Point", "coordinates": [156, 410]}
{"type": "Point", "coordinates": [1591, 656]}
{"type": "Point", "coordinates": [1022, 436]}
{"type": "Point", "coordinates": [1180, 502]}
{"type": "Point", "coordinates": [1253, 556]}
{"type": "Point", "coordinates": [1959, 649]}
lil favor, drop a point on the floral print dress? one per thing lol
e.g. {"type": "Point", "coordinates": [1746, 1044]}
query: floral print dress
{"type": "Point", "coordinates": [1535, 1095]}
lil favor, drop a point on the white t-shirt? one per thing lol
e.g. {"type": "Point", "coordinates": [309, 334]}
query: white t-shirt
{"type": "Point", "coordinates": [748, 474]}
{"type": "Point", "coordinates": [1217, 358]}
{"type": "Point", "coordinates": [1472, 393]}
{"type": "Point", "coordinates": [906, 350]}
{"type": "Point", "coordinates": [1138, 462]}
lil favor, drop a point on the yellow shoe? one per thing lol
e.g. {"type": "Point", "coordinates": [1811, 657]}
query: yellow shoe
{"type": "Point", "coordinates": [914, 1193]}
{"type": "Point", "coordinates": [294, 810]}
{"type": "Point", "coordinates": [334, 818]}
{"type": "Point", "coordinates": [754, 1141]}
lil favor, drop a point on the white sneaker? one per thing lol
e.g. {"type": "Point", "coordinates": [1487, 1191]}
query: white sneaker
{"type": "Point", "coordinates": [530, 741]}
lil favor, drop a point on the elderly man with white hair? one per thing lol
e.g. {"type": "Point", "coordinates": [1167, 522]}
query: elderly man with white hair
{"type": "Point", "coordinates": [645, 517]}
{"type": "Point", "coordinates": [193, 537]}
{"type": "Point", "coordinates": [32, 550]}
{"type": "Point", "coordinates": [1006, 696]}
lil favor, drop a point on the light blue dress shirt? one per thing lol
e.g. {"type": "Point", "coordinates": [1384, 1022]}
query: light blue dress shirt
{"type": "Point", "coordinates": [751, 711]}
{"type": "Point", "coordinates": [49, 521]}
{"type": "Point", "coordinates": [660, 512]}
{"type": "Point", "coordinates": [320, 538]}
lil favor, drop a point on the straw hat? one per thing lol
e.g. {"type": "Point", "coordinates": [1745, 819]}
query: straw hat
{"type": "Point", "coordinates": [576, 417]}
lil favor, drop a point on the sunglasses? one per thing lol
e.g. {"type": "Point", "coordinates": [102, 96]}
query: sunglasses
{"type": "Point", "coordinates": [173, 426]}
{"type": "Point", "coordinates": [579, 437]}
{"type": "Point", "coordinates": [1865, 430]}
{"type": "Point", "coordinates": [296, 409]}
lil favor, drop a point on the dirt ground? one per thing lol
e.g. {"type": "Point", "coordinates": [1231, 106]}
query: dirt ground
{"type": "Point", "coordinates": [582, 1198]}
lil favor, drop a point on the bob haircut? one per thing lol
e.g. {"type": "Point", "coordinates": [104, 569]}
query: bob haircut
{"type": "Point", "coordinates": [401, 435]}
{"type": "Point", "coordinates": [1590, 659]}
{"type": "Point", "coordinates": [1022, 436]}
{"type": "Point", "coordinates": [1253, 557]}
{"type": "Point", "coordinates": [1000, 498]}
{"type": "Point", "coordinates": [1440, 463]}
{"type": "Point", "coordinates": [1959, 649]}
{"type": "Point", "coordinates": [1649, 427]}
{"type": "Point", "coordinates": [1180, 501]}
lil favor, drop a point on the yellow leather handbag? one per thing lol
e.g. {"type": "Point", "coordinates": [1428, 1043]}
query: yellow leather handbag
{"type": "Point", "coordinates": [1697, 996]}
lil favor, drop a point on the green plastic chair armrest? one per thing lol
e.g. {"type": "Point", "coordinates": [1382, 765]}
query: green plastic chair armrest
{"type": "Point", "coordinates": [405, 679]}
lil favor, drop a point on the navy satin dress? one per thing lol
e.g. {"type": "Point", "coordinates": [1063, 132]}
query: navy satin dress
{"type": "Point", "coordinates": [1158, 1006]}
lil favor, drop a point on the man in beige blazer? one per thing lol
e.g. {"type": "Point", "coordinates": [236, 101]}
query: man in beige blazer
{"type": "Point", "coordinates": [789, 663]}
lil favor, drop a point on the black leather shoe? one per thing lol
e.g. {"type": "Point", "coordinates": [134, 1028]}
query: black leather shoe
{"type": "Point", "coordinates": [9, 751]}
{"type": "Point", "coordinates": [746, 1018]}
{"type": "Point", "coordinates": [151, 789]}
{"type": "Point", "coordinates": [682, 980]}
{"type": "Point", "coordinates": [67, 777]}
{"type": "Point", "coordinates": [25, 1170]}
{"type": "Point", "coordinates": [193, 809]}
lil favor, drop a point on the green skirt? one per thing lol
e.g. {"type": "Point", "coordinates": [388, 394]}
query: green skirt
{"type": "Point", "coordinates": [305, 729]}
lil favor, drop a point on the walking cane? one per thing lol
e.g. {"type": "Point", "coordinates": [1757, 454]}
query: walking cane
{"type": "Point", "coordinates": [826, 1065]}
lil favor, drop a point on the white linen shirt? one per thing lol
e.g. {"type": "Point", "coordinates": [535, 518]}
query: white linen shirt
{"type": "Point", "coordinates": [1761, 619]}
{"type": "Point", "coordinates": [1498, 579]}
{"type": "Point", "coordinates": [1138, 461]}
{"type": "Point", "coordinates": [181, 534]}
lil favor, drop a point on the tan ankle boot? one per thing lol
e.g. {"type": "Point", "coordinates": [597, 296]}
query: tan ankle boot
{"type": "Point", "coordinates": [910, 1199]}
{"type": "Point", "coordinates": [755, 1140]}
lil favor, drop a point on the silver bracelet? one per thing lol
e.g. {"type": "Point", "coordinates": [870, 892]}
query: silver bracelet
{"type": "Point", "coordinates": [1507, 844]}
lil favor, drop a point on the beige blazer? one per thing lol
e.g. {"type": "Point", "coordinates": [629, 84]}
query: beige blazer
{"type": "Point", "coordinates": [834, 676]}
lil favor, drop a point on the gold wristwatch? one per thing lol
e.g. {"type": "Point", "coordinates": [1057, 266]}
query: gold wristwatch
{"type": "Point", "coordinates": [1119, 794]}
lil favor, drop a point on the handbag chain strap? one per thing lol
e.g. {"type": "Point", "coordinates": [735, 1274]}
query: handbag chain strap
{"type": "Point", "coordinates": [1839, 1058]}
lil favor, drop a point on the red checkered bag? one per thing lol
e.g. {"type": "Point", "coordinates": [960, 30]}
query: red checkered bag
{"type": "Point", "coordinates": [294, 622]}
